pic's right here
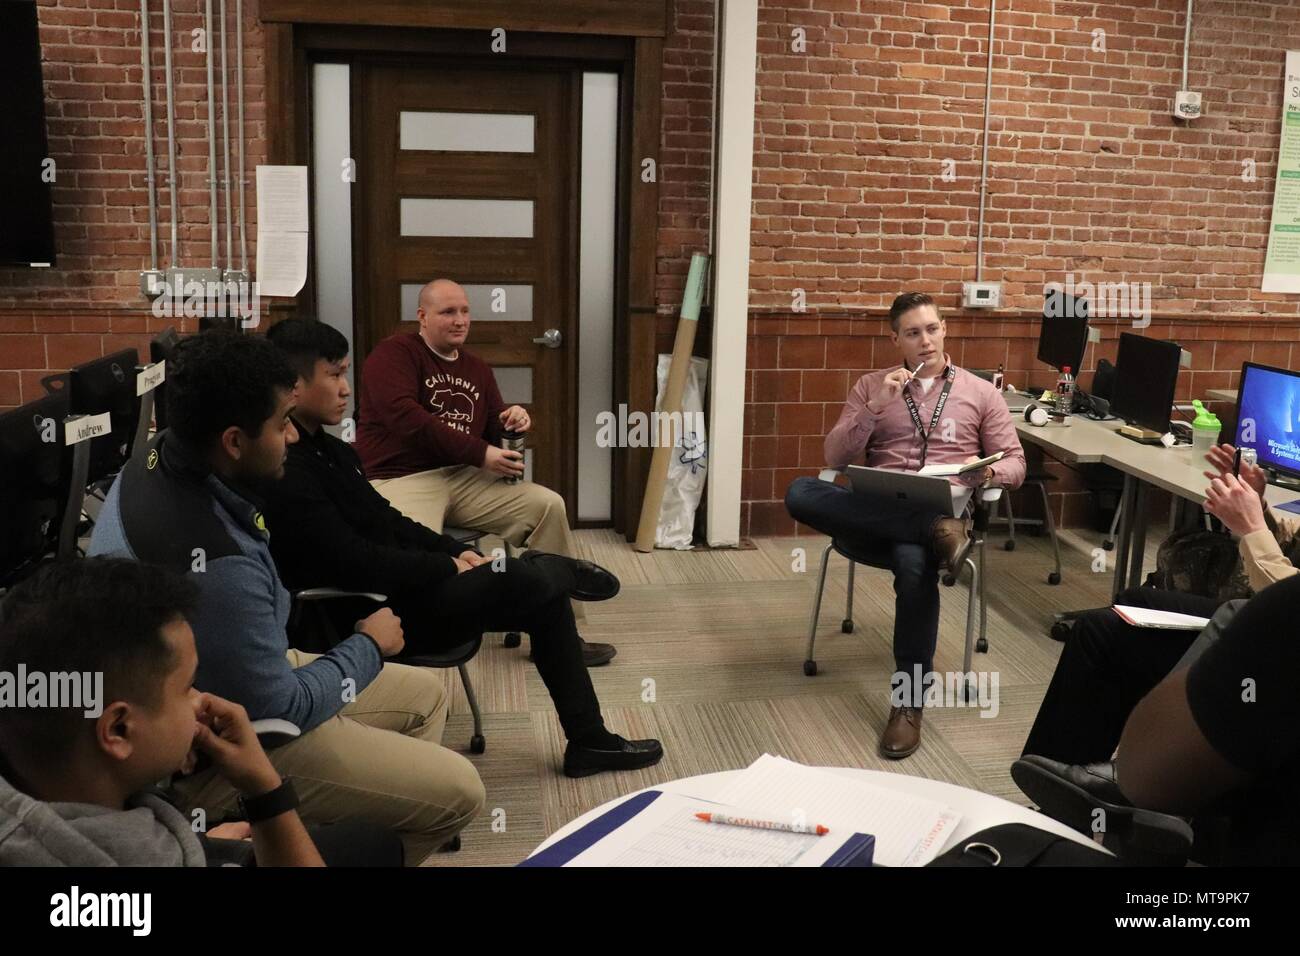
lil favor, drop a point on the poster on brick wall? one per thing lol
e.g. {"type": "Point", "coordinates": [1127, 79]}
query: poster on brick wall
{"type": "Point", "coordinates": [1282, 263]}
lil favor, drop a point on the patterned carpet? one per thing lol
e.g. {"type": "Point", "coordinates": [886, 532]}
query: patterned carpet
{"type": "Point", "coordinates": [711, 645]}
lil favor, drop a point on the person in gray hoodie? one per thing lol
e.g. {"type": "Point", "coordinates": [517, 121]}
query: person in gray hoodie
{"type": "Point", "coordinates": [97, 704]}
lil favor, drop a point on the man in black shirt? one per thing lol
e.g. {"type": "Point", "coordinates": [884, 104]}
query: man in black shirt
{"type": "Point", "coordinates": [1217, 741]}
{"type": "Point", "coordinates": [330, 528]}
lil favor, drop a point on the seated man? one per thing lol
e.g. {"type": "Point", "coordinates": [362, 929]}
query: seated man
{"type": "Point", "coordinates": [1217, 739]}
{"type": "Point", "coordinates": [332, 529]}
{"type": "Point", "coordinates": [925, 411]}
{"type": "Point", "coordinates": [438, 460]}
{"type": "Point", "coordinates": [1107, 665]}
{"type": "Point", "coordinates": [77, 776]}
{"type": "Point", "coordinates": [369, 747]}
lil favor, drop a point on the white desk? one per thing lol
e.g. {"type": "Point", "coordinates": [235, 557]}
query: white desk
{"type": "Point", "coordinates": [1222, 394]}
{"type": "Point", "coordinates": [1175, 470]}
{"type": "Point", "coordinates": [978, 810]}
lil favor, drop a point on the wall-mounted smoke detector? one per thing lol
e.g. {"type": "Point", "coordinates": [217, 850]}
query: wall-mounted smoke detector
{"type": "Point", "coordinates": [1187, 105]}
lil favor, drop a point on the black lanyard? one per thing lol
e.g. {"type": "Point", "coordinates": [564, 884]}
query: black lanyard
{"type": "Point", "coordinates": [950, 374]}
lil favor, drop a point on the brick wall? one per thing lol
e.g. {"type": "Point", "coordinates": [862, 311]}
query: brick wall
{"type": "Point", "coordinates": [1088, 175]}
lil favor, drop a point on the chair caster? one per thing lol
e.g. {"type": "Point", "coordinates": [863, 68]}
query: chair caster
{"type": "Point", "coordinates": [846, 626]}
{"type": "Point", "coordinates": [1061, 631]}
{"type": "Point", "coordinates": [1054, 578]}
{"type": "Point", "coordinates": [982, 645]}
{"type": "Point", "coordinates": [451, 846]}
{"type": "Point", "coordinates": [1108, 545]}
{"type": "Point", "coordinates": [949, 579]}
{"type": "Point", "coordinates": [512, 639]}
{"type": "Point", "coordinates": [477, 744]}
{"type": "Point", "coordinates": [809, 668]}
{"type": "Point", "coordinates": [1008, 545]}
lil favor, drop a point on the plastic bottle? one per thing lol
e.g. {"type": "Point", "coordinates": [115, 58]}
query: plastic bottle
{"type": "Point", "coordinates": [1205, 429]}
{"type": "Point", "coordinates": [999, 377]}
{"type": "Point", "coordinates": [1065, 393]}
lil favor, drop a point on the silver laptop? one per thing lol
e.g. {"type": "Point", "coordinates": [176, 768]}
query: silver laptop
{"type": "Point", "coordinates": [918, 491]}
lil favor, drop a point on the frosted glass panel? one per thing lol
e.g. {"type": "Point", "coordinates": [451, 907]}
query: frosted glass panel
{"type": "Point", "coordinates": [516, 384]}
{"type": "Point", "coordinates": [475, 218]}
{"type": "Point", "coordinates": [467, 132]}
{"type": "Point", "coordinates": [514, 301]}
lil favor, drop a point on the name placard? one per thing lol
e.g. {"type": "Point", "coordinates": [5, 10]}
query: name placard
{"type": "Point", "coordinates": [150, 377]}
{"type": "Point", "coordinates": [88, 426]}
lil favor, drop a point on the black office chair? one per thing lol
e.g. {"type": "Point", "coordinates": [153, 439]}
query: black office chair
{"type": "Point", "coordinates": [325, 632]}
{"type": "Point", "coordinates": [882, 559]}
{"type": "Point", "coordinates": [470, 538]}
{"type": "Point", "coordinates": [35, 485]}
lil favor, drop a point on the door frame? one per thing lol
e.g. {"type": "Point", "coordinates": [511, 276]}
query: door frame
{"type": "Point", "coordinates": [627, 37]}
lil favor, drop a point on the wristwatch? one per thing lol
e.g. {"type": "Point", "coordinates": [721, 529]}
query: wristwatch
{"type": "Point", "coordinates": [270, 804]}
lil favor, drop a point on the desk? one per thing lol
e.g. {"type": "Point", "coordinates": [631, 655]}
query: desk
{"type": "Point", "coordinates": [1222, 394]}
{"type": "Point", "coordinates": [1174, 470]}
{"type": "Point", "coordinates": [979, 811]}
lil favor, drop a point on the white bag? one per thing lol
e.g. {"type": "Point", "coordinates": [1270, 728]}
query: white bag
{"type": "Point", "coordinates": [689, 463]}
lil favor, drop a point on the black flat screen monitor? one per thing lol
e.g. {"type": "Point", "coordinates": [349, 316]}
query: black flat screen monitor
{"type": "Point", "coordinates": [1063, 337]}
{"type": "Point", "coordinates": [34, 476]}
{"type": "Point", "coordinates": [107, 385]}
{"type": "Point", "coordinates": [1268, 416]}
{"type": "Point", "coordinates": [1146, 375]}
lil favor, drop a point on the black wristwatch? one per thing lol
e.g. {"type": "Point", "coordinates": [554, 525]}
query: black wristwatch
{"type": "Point", "coordinates": [270, 804]}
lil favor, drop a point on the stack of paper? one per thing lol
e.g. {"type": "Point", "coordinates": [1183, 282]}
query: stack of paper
{"type": "Point", "coordinates": [909, 830]}
{"type": "Point", "coordinates": [1165, 620]}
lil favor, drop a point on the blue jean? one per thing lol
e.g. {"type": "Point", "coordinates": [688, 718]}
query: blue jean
{"type": "Point", "coordinates": [902, 535]}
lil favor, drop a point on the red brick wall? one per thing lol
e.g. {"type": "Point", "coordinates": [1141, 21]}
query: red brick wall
{"type": "Point", "coordinates": [1088, 175]}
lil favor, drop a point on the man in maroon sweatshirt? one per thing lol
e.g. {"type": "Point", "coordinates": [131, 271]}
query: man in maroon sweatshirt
{"type": "Point", "coordinates": [431, 420]}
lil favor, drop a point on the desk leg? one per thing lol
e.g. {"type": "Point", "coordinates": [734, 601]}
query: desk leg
{"type": "Point", "coordinates": [1125, 529]}
{"type": "Point", "coordinates": [1139, 544]}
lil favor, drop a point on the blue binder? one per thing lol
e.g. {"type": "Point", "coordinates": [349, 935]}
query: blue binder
{"type": "Point", "coordinates": [857, 850]}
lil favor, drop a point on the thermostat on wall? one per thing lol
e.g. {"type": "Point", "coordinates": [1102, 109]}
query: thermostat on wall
{"type": "Point", "coordinates": [1187, 105]}
{"type": "Point", "coordinates": [981, 295]}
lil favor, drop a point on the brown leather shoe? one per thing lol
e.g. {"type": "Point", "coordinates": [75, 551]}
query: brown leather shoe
{"type": "Point", "coordinates": [902, 734]}
{"type": "Point", "coordinates": [951, 541]}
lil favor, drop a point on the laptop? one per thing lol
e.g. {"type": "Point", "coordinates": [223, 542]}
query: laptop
{"type": "Point", "coordinates": [918, 491]}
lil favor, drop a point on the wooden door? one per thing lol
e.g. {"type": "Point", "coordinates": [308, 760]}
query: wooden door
{"type": "Point", "coordinates": [471, 174]}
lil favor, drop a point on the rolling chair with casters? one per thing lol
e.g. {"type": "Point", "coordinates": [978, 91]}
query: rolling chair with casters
{"type": "Point", "coordinates": [881, 559]}
{"type": "Point", "coordinates": [470, 538]}
{"type": "Point", "coordinates": [457, 656]}
{"type": "Point", "coordinates": [1038, 479]}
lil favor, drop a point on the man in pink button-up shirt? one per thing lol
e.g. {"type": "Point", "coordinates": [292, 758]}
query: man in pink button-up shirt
{"type": "Point", "coordinates": [877, 420]}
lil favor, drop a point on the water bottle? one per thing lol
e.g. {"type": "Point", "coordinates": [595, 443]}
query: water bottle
{"type": "Point", "coordinates": [512, 441]}
{"type": "Point", "coordinates": [1065, 393]}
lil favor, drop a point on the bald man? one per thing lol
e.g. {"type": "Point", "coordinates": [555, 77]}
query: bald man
{"type": "Point", "coordinates": [430, 430]}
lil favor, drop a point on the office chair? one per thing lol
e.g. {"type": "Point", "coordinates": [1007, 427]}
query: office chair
{"type": "Point", "coordinates": [457, 656]}
{"type": "Point", "coordinates": [36, 487]}
{"type": "Point", "coordinates": [881, 559]}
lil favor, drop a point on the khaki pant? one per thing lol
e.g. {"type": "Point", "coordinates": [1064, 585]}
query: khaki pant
{"type": "Point", "coordinates": [462, 496]}
{"type": "Point", "coordinates": [378, 760]}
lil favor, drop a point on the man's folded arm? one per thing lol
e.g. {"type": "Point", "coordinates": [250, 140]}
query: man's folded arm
{"type": "Point", "coordinates": [249, 665]}
{"type": "Point", "coordinates": [848, 439]}
{"type": "Point", "coordinates": [324, 550]}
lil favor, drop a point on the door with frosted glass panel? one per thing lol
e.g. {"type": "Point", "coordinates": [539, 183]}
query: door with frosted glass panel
{"type": "Point", "coordinates": [470, 175]}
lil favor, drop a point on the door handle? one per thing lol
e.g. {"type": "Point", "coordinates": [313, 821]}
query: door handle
{"type": "Point", "coordinates": [551, 338]}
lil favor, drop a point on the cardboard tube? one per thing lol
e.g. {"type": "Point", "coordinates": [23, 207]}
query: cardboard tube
{"type": "Point", "coordinates": [665, 439]}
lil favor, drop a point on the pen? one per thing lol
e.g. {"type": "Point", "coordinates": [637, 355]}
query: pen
{"type": "Point", "coordinates": [724, 818]}
{"type": "Point", "coordinates": [1236, 464]}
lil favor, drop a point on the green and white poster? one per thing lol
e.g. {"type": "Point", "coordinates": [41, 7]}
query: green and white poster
{"type": "Point", "coordinates": [1282, 264]}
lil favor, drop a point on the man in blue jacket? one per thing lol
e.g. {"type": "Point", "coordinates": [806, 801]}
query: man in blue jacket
{"type": "Point", "coordinates": [369, 748]}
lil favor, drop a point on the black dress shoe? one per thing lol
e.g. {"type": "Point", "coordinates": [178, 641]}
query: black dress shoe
{"type": "Point", "coordinates": [1074, 795]}
{"type": "Point", "coordinates": [593, 655]}
{"type": "Point", "coordinates": [630, 755]}
{"type": "Point", "coordinates": [583, 580]}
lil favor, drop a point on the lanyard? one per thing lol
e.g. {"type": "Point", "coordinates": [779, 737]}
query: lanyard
{"type": "Point", "coordinates": [950, 374]}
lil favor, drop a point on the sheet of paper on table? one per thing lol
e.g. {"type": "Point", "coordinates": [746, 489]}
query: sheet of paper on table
{"type": "Point", "coordinates": [667, 833]}
{"type": "Point", "coordinates": [909, 830]}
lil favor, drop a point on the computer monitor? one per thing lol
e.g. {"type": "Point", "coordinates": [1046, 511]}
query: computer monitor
{"type": "Point", "coordinates": [1146, 374]}
{"type": "Point", "coordinates": [1268, 416]}
{"type": "Point", "coordinates": [1063, 337]}
{"type": "Point", "coordinates": [35, 468]}
{"type": "Point", "coordinates": [160, 350]}
{"type": "Point", "coordinates": [107, 385]}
